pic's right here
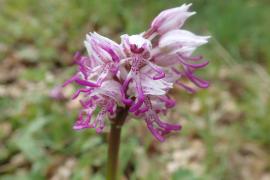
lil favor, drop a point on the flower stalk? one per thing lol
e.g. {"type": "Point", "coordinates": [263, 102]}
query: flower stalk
{"type": "Point", "coordinates": [114, 143]}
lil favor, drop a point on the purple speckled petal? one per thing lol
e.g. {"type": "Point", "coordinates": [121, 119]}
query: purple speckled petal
{"type": "Point", "coordinates": [127, 81]}
{"type": "Point", "coordinates": [77, 93]}
{"type": "Point", "coordinates": [197, 81]}
{"type": "Point", "coordinates": [137, 104]}
{"type": "Point", "coordinates": [159, 76]}
{"type": "Point", "coordinates": [114, 56]}
{"type": "Point", "coordinates": [156, 68]}
{"type": "Point", "coordinates": [140, 95]}
{"type": "Point", "coordinates": [155, 133]}
{"type": "Point", "coordinates": [99, 121]}
{"type": "Point", "coordinates": [164, 125]}
{"type": "Point", "coordinates": [196, 66]}
{"type": "Point", "coordinates": [87, 103]}
{"type": "Point", "coordinates": [110, 107]}
{"type": "Point", "coordinates": [187, 88]}
{"type": "Point", "coordinates": [169, 103]}
{"type": "Point", "coordinates": [72, 79]}
{"type": "Point", "coordinates": [143, 110]}
{"type": "Point", "coordinates": [125, 100]}
{"type": "Point", "coordinates": [124, 88]}
{"type": "Point", "coordinates": [86, 83]}
{"type": "Point", "coordinates": [81, 123]}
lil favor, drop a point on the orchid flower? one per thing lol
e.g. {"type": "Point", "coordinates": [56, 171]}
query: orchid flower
{"type": "Point", "coordinates": [102, 62]}
{"type": "Point", "coordinates": [138, 52]}
{"type": "Point", "coordinates": [138, 73]}
{"type": "Point", "coordinates": [106, 98]}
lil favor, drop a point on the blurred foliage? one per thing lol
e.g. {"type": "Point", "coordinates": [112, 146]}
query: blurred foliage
{"type": "Point", "coordinates": [226, 128]}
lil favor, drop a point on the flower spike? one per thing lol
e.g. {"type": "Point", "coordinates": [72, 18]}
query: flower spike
{"type": "Point", "coordinates": [137, 74]}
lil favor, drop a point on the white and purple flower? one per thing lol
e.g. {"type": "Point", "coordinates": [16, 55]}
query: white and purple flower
{"type": "Point", "coordinates": [138, 73]}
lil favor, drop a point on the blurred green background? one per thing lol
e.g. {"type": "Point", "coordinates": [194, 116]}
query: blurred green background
{"type": "Point", "coordinates": [226, 127]}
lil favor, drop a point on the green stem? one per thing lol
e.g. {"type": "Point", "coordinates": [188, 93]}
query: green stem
{"type": "Point", "coordinates": [114, 143]}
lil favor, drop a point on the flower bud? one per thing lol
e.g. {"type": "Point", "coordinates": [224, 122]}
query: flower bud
{"type": "Point", "coordinates": [103, 48]}
{"type": "Point", "coordinates": [171, 19]}
{"type": "Point", "coordinates": [181, 41]}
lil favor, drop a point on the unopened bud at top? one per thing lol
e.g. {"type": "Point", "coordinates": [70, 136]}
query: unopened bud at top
{"type": "Point", "coordinates": [170, 19]}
